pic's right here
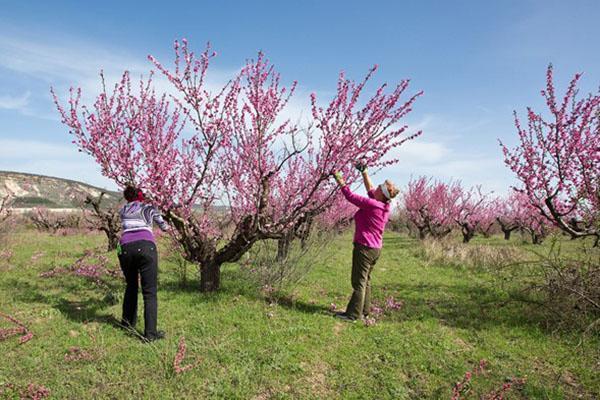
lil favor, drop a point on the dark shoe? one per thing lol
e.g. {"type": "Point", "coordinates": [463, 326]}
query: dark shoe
{"type": "Point", "coordinates": [157, 336]}
{"type": "Point", "coordinates": [345, 317]}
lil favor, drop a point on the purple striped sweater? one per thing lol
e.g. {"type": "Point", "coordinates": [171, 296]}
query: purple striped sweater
{"type": "Point", "coordinates": [137, 219]}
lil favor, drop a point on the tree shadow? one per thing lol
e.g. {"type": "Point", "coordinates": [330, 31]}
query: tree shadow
{"type": "Point", "coordinates": [79, 311]}
{"type": "Point", "coordinates": [464, 306]}
{"type": "Point", "coordinates": [290, 303]}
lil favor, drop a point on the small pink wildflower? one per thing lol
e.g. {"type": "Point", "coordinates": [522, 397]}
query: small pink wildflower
{"type": "Point", "coordinates": [181, 349]}
{"type": "Point", "coordinates": [37, 256]}
{"type": "Point", "coordinates": [392, 304]}
{"type": "Point", "coordinates": [21, 329]}
{"type": "Point", "coordinates": [26, 338]}
{"type": "Point", "coordinates": [499, 394]}
{"type": "Point", "coordinates": [78, 354]}
{"type": "Point", "coordinates": [36, 392]}
{"type": "Point", "coordinates": [460, 386]}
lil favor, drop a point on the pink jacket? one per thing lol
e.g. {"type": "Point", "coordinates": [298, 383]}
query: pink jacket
{"type": "Point", "coordinates": [370, 219]}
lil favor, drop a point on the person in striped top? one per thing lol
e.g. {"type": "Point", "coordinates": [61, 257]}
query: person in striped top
{"type": "Point", "coordinates": [138, 258]}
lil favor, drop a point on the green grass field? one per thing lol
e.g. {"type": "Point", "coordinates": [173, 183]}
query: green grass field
{"type": "Point", "coordinates": [249, 347]}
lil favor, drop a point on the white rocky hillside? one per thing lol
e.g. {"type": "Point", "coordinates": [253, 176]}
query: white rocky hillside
{"type": "Point", "coordinates": [30, 190]}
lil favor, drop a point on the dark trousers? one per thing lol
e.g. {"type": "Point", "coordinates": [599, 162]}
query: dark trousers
{"type": "Point", "coordinates": [363, 261]}
{"type": "Point", "coordinates": [140, 258]}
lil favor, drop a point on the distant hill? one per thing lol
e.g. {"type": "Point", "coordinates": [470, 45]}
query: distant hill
{"type": "Point", "coordinates": [31, 190]}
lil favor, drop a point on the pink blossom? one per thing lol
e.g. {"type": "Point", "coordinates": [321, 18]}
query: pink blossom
{"type": "Point", "coordinates": [271, 172]}
{"type": "Point", "coordinates": [181, 350]}
{"type": "Point", "coordinates": [558, 162]}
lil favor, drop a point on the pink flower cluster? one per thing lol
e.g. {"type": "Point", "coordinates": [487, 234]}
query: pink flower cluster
{"type": "Point", "coordinates": [506, 386]}
{"type": "Point", "coordinates": [32, 391]}
{"type": "Point", "coordinates": [557, 159]}
{"type": "Point", "coordinates": [181, 350]}
{"type": "Point", "coordinates": [460, 386]}
{"type": "Point", "coordinates": [84, 267]}
{"type": "Point", "coordinates": [376, 311]}
{"type": "Point", "coordinates": [78, 354]}
{"type": "Point", "coordinates": [21, 329]}
{"type": "Point", "coordinates": [393, 305]}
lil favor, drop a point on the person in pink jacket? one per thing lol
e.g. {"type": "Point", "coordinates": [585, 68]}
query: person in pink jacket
{"type": "Point", "coordinates": [370, 220]}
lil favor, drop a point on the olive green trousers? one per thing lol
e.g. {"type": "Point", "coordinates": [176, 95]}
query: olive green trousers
{"type": "Point", "coordinates": [363, 261]}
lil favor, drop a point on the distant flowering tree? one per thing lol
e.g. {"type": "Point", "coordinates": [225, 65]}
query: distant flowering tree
{"type": "Point", "coordinates": [45, 220]}
{"type": "Point", "coordinates": [269, 172]}
{"type": "Point", "coordinates": [6, 222]}
{"type": "Point", "coordinates": [472, 209]}
{"type": "Point", "coordinates": [488, 217]}
{"type": "Point", "coordinates": [508, 214]}
{"type": "Point", "coordinates": [529, 219]}
{"type": "Point", "coordinates": [432, 207]}
{"type": "Point", "coordinates": [337, 217]}
{"type": "Point", "coordinates": [5, 208]}
{"type": "Point", "coordinates": [105, 219]}
{"type": "Point", "coordinates": [557, 160]}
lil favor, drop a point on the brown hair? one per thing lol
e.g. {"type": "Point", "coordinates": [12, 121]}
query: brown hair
{"type": "Point", "coordinates": [131, 193]}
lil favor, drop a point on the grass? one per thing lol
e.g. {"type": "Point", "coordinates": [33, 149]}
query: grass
{"type": "Point", "coordinates": [251, 348]}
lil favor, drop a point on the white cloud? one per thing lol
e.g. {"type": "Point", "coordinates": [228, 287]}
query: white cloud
{"type": "Point", "coordinates": [419, 151]}
{"type": "Point", "coordinates": [9, 102]}
{"type": "Point", "coordinates": [63, 62]}
{"type": "Point", "coordinates": [60, 160]}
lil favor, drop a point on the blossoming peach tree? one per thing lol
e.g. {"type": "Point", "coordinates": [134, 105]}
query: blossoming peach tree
{"type": "Point", "coordinates": [557, 160]}
{"type": "Point", "coordinates": [432, 207]}
{"type": "Point", "coordinates": [267, 171]}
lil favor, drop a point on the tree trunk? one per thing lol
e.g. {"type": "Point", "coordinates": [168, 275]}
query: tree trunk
{"type": "Point", "coordinates": [536, 239]}
{"type": "Point", "coordinates": [210, 277]}
{"type": "Point", "coordinates": [506, 233]}
{"type": "Point", "coordinates": [468, 232]}
{"type": "Point", "coordinates": [468, 235]}
{"type": "Point", "coordinates": [283, 248]}
{"type": "Point", "coordinates": [113, 240]}
{"type": "Point", "coordinates": [422, 232]}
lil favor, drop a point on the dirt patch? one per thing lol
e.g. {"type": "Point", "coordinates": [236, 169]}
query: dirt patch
{"type": "Point", "coordinates": [316, 381]}
{"type": "Point", "coordinates": [338, 328]}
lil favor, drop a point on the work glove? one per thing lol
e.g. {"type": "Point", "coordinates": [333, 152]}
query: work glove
{"type": "Point", "coordinates": [362, 167]}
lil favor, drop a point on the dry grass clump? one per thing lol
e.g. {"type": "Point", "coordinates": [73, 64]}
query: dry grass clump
{"type": "Point", "coordinates": [452, 253]}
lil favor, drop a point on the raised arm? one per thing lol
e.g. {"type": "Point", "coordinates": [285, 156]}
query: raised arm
{"type": "Point", "coordinates": [364, 171]}
{"type": "Point", "coordinates": [357, 200]}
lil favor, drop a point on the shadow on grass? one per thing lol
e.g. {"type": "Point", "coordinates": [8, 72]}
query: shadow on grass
{"type": "Point", "coordinates": [460, 305]}
{"type": "Point", "coordinates": [298, 305]}
{"type": "Point", "coordinates": [465, 306]}
{"type": "Point", "coordinates": [79, 311]}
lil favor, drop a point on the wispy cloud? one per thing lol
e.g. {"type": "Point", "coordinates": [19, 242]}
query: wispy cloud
{"type": "Point", "coordinates": [53, 159]}
{"type": "Point", "coordinates": [63, 62]}
{"type": "Point", "coordinates": [20, 102]}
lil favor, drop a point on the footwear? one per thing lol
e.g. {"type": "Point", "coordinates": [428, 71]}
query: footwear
{"type": "Point", "coordinates": [345, 317]}
{"type": "Point", "coordinates": [157, 336]}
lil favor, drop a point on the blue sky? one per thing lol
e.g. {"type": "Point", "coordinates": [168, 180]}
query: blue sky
{"type": "Point", "coordinates": [476, 61]}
